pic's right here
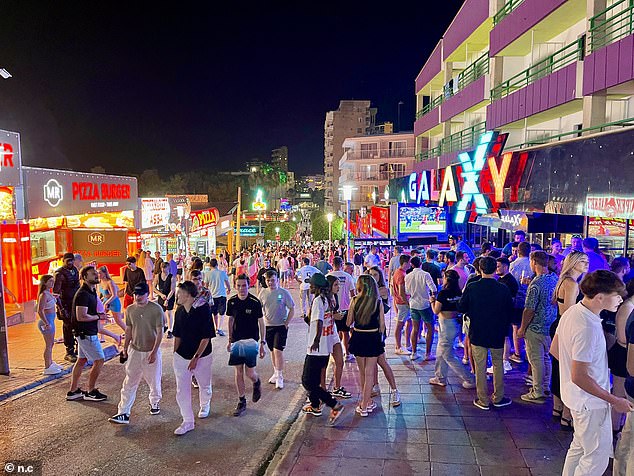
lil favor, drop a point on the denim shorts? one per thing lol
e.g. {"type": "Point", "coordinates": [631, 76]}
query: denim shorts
{"type": "Point", "coordinates": [402, 312]}
{"type": "Point", "coordinates": [426, 315]}
{"type": "Point", "coordinates": [244, 352]}
{"type": "Point", "coordinates": [50, 318]}
{"type": "Point", "coordinates": [90, 348]}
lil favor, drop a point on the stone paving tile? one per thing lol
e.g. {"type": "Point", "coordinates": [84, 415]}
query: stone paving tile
{"type": "Point", "coordinates": [535, 440]}
{"type": "Point", "coordinates": [445, 423]}
{"type": "Point", "coordinates": [322, 447]}
{"type": "Point", "coordinates": [406, 421]}
{"type": "Point", "coordinates": [505, 471]}
{"type": "Point", "coordinates": [444, 469]}
{"type": "Point", "coordinates": [309, 465]}
{"type": "Point", "coordinates": [492, 439]}
{"type": "Point", "coordinates": [408, 451]}
{"type": "Point", "coordinates": [448, 437]}
{"type": "Point", "coordinates": [410, 409]}
{"type": "Point", "coordinates": [452, 454]}
{"type": "Point", "coordinates": [360, 467]}
{"type": "Point", "coordinates": [393, 467]}
{"type": "Point", "coordinates": [545, 460]}
{"type": "Point", "coordinates": [492, 456]}
{"type": "Point", "coordinates": [442, 409]}
{"type": "Point", "coordinates": [483, 423]}
{"type": "Point", "coordinates": [409, 435]}
{"type": "Point", "coordinates": [365, 449]}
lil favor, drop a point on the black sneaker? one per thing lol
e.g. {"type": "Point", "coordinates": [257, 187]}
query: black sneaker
{"type": "Point", "coordinates": [76, 395]}
{"type": "Point", "coordinates": [155, 409]}
{"type": "Point", "coordinates": [95, 396]}
{"type": "Point", "coordinates": [241, 408]}
{"type": "Point", "coordinates": [165, 329]}
{"type": "Point", "coordinates": [170, 335]}
{"type": "Point", "coordinates": [194, 382]}
{"type": "Point", "coordinates": [257, 391]}
{"type": "Point", "coordinates": [505, 402]}
{"type": "Point", "coordinates": [70, 358]}
{"type": "Point", "coordinates": [341, 392]}
{"type": "Point", "coordinates": [120, 419]}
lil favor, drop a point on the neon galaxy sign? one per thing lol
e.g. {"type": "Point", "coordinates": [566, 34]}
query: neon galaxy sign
{"type": "Point", "coordinates": [476, 185]}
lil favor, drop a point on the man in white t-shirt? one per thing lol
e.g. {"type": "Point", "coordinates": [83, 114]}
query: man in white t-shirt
{"type": "Point", "coordinates": [303, 276]}
{"type": "Point", "coordinates": [283, 267]}
{"type": "Point", "coordinates": [372, 259]}
{"type": "Point", "coordinates": [580, 347]}
{"type": "Point", "coordinates": [217, 281]}
{"type": "Point", "coordinates": [345, 295]}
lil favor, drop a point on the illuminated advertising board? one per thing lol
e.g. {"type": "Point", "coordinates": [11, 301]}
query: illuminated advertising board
{"type": "Point", "coordinates": [202, 219]}
{"type": "Point", "coordinates": [420, 220]}
{"type": "Point", "coordinates": [10, 158]}
{"type": "Point", "coordinates": [155, 213]}
{"type": "Point", "coordinates": [380, 217]}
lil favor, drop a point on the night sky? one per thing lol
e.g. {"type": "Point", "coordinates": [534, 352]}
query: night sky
{"type": "Point", "coordinates": [187, 85]}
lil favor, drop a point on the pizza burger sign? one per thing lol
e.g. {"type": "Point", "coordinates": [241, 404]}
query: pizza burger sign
{"type": "Point", "coordinates": [59, 192]}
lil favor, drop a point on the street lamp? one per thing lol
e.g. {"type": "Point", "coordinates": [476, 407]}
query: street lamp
{"type": "Point", "coordinates": [330, 217]}
{"type": "Point", "coordinates": [5, 74]}
{"type": "Point", "coordinates": [277, 233]}
{"type": "Point", "coordinates": [347, 196]}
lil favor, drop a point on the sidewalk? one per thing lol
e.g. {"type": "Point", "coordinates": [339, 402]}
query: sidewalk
{"type": "Point", "coordinates": [26, 362]}
{"type": "Point", "coordinates": [435, 431]}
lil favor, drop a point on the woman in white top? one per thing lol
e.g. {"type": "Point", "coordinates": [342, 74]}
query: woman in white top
{"type": "Point", "coordinates": [148, 269]}
{"type": "Point", "coordinates": [46, 323]}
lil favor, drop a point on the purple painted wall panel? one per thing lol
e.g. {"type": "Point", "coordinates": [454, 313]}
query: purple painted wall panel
{"type": "Point", "coordinates": [519, 21]}
{"type": "Point", "coordinates": [609, 66]}
{"type": "Point", "coordinates": [432, 68]}
{"type": "Point", "coordinates": [626, 54]}
{"type": "Point", "coordinates": [471, 15]}
{"type": "Point", "coordinates": [612, 65]}
{"type": "Point", "coordinates": [463, 100]}
{"type": "Point", "coordinates": [426, 122]}
{"type": "Point", "coordinates": [551, 91]}
{"type": "Point", "coordinates": [599, 68]}
{"type": "Point", "coordinates": [588, 75]}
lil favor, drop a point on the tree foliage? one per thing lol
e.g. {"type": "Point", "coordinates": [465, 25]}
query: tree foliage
{"type": "Point", "coordinates": [319, 225]}
{"type": "Point", "coordinates": [287, 230]}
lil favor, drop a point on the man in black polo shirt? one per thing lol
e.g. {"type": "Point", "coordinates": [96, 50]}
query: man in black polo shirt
{"type": "Point", "coordinates": [85, 321]}
{"type": "Point", "coordinates": [246, 339]}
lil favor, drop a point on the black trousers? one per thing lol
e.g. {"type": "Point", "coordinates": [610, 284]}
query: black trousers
{"type": "Point", "coordinates": [69, 338]}
{"type": "Point", "coordinates": [311, 380]}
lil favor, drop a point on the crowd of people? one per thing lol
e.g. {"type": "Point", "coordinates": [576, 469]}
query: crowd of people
{"type": "Point", "coordinates": [568, 313]}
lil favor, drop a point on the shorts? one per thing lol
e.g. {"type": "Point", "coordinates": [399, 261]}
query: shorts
{"type": "Point", "coordinates": [127, 300]}
{"type": "Point", "coordinates": [276, 337]}
{"type": "Point", "coordinates": [617, 360]}
{"type": "Point", "coordinates": [516, 317]}
{"type": "Point", "coordinates": [219, 306]}
{"type": "Point", "coordinates": [244, 352]}
{"type": "Point", "coordinates": [50, 319]}
{"type": "Point", "coordinates": [402, 313]}
{"type": "Point", "coordinates": [426, 315]}
{"type": "Point", "coordinates": [90, 348]}
{"type": "Point", "coordinates": [342, 324]}
{"type": "Point", "coordinates": [115, 305]}
{"type": "Point", "coordinates": [166, 305]}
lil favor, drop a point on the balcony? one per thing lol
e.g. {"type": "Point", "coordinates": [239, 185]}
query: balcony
{"type": "Point", "coordinates": [558, 60]}
{"type": "Point", "coordinates": [474, 71]}
{"type": "Point", "coordinates": [430, 106]}
{"type": "Point", "coordinates": [461, 140]}
{"type": "Point", "coordinates": [610, 25]}
{"type": "Point", "coordinates": [378, 154]}
{"type": "Point", "coordinates": [372, 176]}
{"type": "Point", "coordinates": [505, 10]}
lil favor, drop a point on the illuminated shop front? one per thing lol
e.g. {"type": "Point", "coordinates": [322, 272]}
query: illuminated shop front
{"type": "Point", "coordinates": [163, 224]}
{"type": "Point", "coordinates": [89, 214]}
{"type": "Point", "coordinates": [202, 237]}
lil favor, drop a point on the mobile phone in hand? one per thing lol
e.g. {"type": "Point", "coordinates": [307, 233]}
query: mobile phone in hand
{"type": "Point", "coordinates": [122, 358]}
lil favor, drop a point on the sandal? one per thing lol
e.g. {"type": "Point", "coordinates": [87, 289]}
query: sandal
{"type": "Point", "coordinates": [558, 413]}
{"type": "Point", "coordinates": [566, 424]}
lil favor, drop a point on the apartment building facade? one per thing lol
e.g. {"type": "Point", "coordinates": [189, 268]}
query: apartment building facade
{"type": "Point", "coordinates": [539, 70]}
{"type": "Point", "coordinates": [368, 163]}
{"type": "Point", "coordinates": [352, 118]}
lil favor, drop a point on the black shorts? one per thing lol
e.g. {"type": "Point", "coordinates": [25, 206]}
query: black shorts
{"type": "Point", "coordinates": [219, 306]}
{"type": "Point", "coordinates": [167, 305]}
{"type": "Point", "coordinates": [276, 337]}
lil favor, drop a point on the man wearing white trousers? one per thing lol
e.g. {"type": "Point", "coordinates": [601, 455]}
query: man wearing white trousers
{"type": "Point", "coordinates": [142, 349]}
{"type": "Point", "coordinates": [193, 330]}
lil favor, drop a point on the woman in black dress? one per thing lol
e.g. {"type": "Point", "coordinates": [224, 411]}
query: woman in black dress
{"type": "Point", "coordinates": [566, 294]}
{"type": "Point", "coordinates": [165, 288]}
{"type": "Point", "coordinates": [366, 343]}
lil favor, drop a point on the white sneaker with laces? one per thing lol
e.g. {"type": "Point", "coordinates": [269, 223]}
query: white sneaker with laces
{"type": "Point", "coordinates": [279, 383]}
{"type": "Point", "coordinates": [273, 378]}
{"type": "Point", "coordinates": [185, 427]}
{"type": "Point", "coordinates": [52, 370]}
{"type": "Point", "coordinates": [204, 411]}
{"type": "Point", "coordinates": [507, 366]}
{"type": "Point", "coordinates": [395, 399]}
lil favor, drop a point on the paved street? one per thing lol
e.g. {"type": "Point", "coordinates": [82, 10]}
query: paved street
{"type": "Point", "coordinates": [76, 438]}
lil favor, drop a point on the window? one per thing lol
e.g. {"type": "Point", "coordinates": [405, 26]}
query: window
{"type": "Point", "coordinates": [397, 149]}
{"type": "Point", "coordinates": [369, 151]}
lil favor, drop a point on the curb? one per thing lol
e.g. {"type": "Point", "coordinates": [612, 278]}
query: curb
{"type": "Point", "coordinates": [109, 353]}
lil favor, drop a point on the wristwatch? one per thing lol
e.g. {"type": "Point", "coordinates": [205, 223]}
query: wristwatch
{"type": "Point", "coordinates": [196, 356]}
{"type": "Point", "coordinates": [262, 342]}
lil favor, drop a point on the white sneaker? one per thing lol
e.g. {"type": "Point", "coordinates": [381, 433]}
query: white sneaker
{"type": "Point", "coordinates": [468, 384]}
{"type": "Point", "coordinates": [279, 383]}
{"type": "Point", "coordinates": [55, 364]}
{"type": "Point", "coordinates": [437, 381]}
{"type": "Point", "coordinates": [395, 399]}
{"type": "Point", "coordinates": [52, 370]}
{"type": "Point", "coordinates": [184, 428]}
{"type": "Point", "coordinates": [204, 411]}
{"type": "Point", "coordinates": [273, 378]}
{"type": "Point", "coordinates": [507, 366]}
{"type": "Point", "coordinates": [413, 356]}
{"type": "Point", "coordinates": [490, 369]}
{"type": "Point", "coordinates": [465, 361]}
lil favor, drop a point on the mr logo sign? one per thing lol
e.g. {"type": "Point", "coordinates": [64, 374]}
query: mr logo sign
{"type": "Point", "coordinates": [53, 192]}
{"type": "Point", "coordinates": [96, 238]}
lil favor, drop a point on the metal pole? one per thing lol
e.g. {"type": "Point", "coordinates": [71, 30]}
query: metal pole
{"type": "Point", "coordinates": [238, 219]}
{"type": "Point", "coordinates": [4, 343]}
{"type": "Point", "coordinates": [348, 230]}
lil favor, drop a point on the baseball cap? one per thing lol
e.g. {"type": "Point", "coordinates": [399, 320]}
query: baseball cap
{"type": "Point", "coordinates": [68, 256]}
{"type": "Point", "coordinates": [319, 280]}
{"type": "Point", "coordinates": [141, 288]}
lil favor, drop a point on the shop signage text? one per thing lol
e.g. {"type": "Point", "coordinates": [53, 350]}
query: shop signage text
{"type": "Point", "coordinates": [610, 207]}
{"type": "Point", "coordinates": [155, 213]}
{"type": "Point", "coordinates": [53, 192]}
{"type": "Point", "coordinates": [248, 231]}
{"type": "Point", "coordinates": [204, 218]}
{"type": "Point", "coordinates": [10, 159]}
{"type": "Point", "coordinates": [105, 191]}
{"type": "Point", "coordinates": [381, 220]}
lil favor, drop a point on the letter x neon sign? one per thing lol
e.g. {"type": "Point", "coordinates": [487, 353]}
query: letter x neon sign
{"type": "Point", "coordinates": [472, 164]}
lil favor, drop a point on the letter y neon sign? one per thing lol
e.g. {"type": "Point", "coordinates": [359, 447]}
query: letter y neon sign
{"type": "Point", "coordinates": [472, 164]}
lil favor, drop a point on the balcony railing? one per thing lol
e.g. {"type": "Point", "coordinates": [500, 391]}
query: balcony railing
{"type": "Point", "coordinates": [474, 71]}
{"type": "Point", "coordinates": [430, 106]}
{"type": "Point", "coordinates": [560, 58]}
{"type": "Point", "coordinates": [370, 176]}
{"type": "Point", "coordinates": [612, 24]}
{"type": "Point", "coordinates": [460, 140]}
{"type": "Point", "coordinates": [380, 154]}
{"type": "Point", "coordinates": [505, 10]}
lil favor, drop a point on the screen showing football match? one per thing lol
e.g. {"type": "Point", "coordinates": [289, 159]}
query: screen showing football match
{"type": "Point", "coordinates": [419, 219]}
